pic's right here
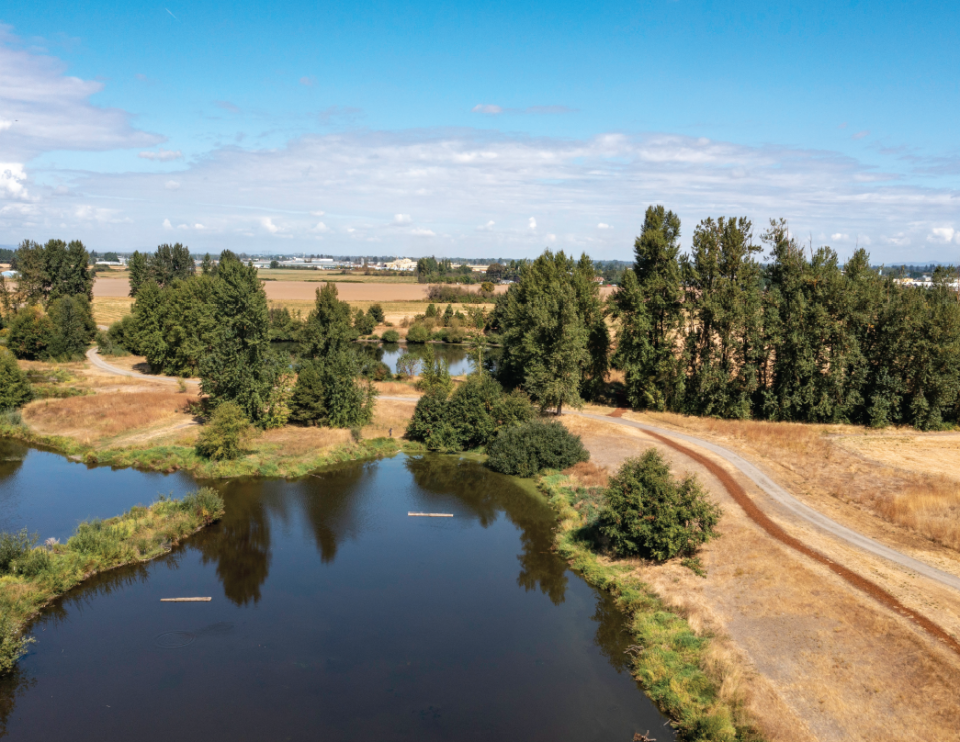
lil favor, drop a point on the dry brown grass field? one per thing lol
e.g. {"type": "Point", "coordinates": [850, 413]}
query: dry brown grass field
{"type": "Point", "coordinates": [912, 481]}
{"type": "Point", "coordinates": [102, 418]}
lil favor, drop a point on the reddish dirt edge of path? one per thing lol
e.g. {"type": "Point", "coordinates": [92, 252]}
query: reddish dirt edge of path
{"type": "Point", "coordinates": [739, 494]}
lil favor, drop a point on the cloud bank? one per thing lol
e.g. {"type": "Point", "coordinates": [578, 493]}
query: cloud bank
{"type": "Point", "coordinates": [403, 192]}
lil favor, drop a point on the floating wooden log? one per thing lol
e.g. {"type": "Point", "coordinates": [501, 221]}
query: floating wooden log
{"type": "Point", "coordinates": [185, 600]}
{"type": "Point", "coordinates": [430, 515]}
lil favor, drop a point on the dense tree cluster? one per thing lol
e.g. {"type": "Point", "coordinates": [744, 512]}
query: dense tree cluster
{"type": "Point", "coordinates": [168, 264]}
{"type": "Point", "coordinates": [473, 415]}
{"type": "Point", "coordinates": [50, 271]}
{"type": "Point", "coordinates": [555, 340]}
{"type": "Point", "coordinates": [431, 270]}
{"type": "Point", "coordinates": [799, 338]}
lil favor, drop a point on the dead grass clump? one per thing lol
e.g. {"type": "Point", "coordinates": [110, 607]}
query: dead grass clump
{"type": "Point", "coordinates": [295, 441]}
{"type": "Point", "coordinates": [589, 474]}
{"type": "Point", "coordinates": [387, 416]}
{"type": "Point", "coordinates": [928, 504]}
{"type": "Point", "coordinates": [102, 416]}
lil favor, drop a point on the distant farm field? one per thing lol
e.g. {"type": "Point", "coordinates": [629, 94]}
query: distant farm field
{"type": "Point", "coordinates": [280, 291]}
{"type": "Point", "coordinates": [280, 274]}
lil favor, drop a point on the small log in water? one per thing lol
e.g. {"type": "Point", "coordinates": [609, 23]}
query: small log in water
{"type": "Point", "coordinates": [185, 600]}
{"type": "Point", "coordinates": [430, 515]}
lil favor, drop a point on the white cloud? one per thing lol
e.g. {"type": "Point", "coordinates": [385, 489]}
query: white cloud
{"type": "Point", "coordinates": [198, 227]}
{"type": "Point", "coordinates": [167, 224]}
{"type": "Point", "coordinates": [321, 227]}
{"type": "Point", "coordinates": [48, 110]}
{"type": "Point", "coordinates": [400, 220]}
{"type": "Point", "coordinates": [944, 235]}
{"type": "Point", "coordinates": [487, 108]}
{"type": "Point", "coordinates": [839, 237]}
{"type": "Point", "coordinates": [532, 223]}
{"type": "Point", "coordinates": [601, 225]}
{"type": "Point", "coordinates": [162, 155]}
{"type": "Point", "coordinates": [171, 185]}
{"type": "Point", "coordinates": [183, 226]}
{"type": "Point", "coordinates": [12, 178]}
{"type": "Point", "coordinates": [551, 238]}
{"type": "Point", "coordinates": [421, 232]}
{"type": "Point", "coordinates": [267, 223]}
{"type": "Point", "coordinates": [488, 227]}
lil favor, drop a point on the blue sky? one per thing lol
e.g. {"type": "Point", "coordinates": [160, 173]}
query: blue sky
{"type": "Point", "coordinates": [489, 129]}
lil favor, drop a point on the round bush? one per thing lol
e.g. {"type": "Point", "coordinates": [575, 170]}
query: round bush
{"type": "Point", "coordinates": [418, 334]}
{"type": "Point", "coordinates": [651, 514]}
{"type": "Point", "coordinates": [526, 450]}
{"type": "Point", "coordinates": [390, 336]}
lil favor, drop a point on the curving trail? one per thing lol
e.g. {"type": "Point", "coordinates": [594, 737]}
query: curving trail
{"type": "Point", "coordinates": [94, 357]}
{"type": "Point", "coordinates": [750, 507]}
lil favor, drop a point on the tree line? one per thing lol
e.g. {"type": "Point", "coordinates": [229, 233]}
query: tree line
{"type": "Point", "coordinates": [800, 337]}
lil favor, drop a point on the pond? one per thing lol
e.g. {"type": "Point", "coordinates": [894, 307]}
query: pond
{"type": "Point", "coordinates": [457, 356]}
{"type": "Point", "coordinates": [334, 615]}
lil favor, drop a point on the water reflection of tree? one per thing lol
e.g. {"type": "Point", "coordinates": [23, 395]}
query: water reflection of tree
{"type": "Point", "coordinates": [612, 637]}
{"type": "Point", "coordinates": [331, 502]}
{"type": "Point", "coordinates": [445, 481]}
{"type": "Point", "coordinates": [12, 455]}
{"type": "Point", "coordinates": [239, 544]}
{"type": "Point", "coordinates": [12, 687]}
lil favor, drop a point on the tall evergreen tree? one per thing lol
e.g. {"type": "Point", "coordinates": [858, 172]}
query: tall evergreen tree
{"type": "Point", "coordinates": [591, 309]}
{"type": "Point", "coordinates": [139, 272]}
{"type": "Point", "coordinates": [73, 324]}
{"type": "Point", "coordinates": [724, 311]}
{"type": "Point", "coordinates": [241, 365]}
{"type": "Point", "coordinates": [329, 326]}
{"type": "Point", "coordinates": [651, 302]}
{"type": "Point", "coordinates": [544, 335]}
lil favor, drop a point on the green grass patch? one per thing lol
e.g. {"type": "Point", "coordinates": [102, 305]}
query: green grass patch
{"type": "Point", "coordinates": [31, 576]}
{"type": "Point", "coordinates": [668, 658]}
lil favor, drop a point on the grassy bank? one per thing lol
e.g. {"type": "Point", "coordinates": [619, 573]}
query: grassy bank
{"type": "Point", "coordinates": [268, 460]}
{"type": "Point", "coordinates": [34, 576]}
{"type": "Point", "coordinates": [668, 659]}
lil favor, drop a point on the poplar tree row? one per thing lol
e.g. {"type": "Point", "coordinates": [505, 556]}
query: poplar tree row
{"type": "Point", "coordinates": [728, 331]}
{"type": "Point", "coordinates": [800, 337]}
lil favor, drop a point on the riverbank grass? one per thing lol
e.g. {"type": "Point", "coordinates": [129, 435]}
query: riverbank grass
{"type": "Point", "coordinates": [668, 659]}
{"type": "Point", "coordinates": [31, 576]}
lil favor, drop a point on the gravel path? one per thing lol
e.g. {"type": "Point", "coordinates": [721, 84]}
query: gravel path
{"type": "Point", "coordinates": [94, 357]}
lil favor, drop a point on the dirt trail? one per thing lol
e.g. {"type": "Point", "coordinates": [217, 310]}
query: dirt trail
{"type": "Point", "coordinates": [95, 358]}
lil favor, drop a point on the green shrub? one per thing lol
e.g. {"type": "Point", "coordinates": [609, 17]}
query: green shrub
{"type": "Point", "coordinates": [526, 450]}
{"type": "Point", "coordinates": [473, 416]}
{"type": "Point", "coordinates": [391, 336]}
{"type": "Point", "coordinates": [74, 327]}
{"type": "Point", "coordinates": [224, 436]}
{"type": "Point", "coordinates": [434, 375]}
{"type": "Point", "coordinates": [204, 503]}
{"type": "Point", "coordinates": [376, 311]}
{"type": "Point", "coordinates": [31, 333]}
{"type": "Point", "coordinates": [418, 334]}
{"type": "Point", "coordinates": [15, 389]}
{"type": "Point", "coordinates": [329, 392]}
{"type": "Point", "coordinates": [97, 538]}
{"type": "Point", "coordinates": [13, 546]}
{"type": "Point", "coordinates": [13, 645]}
{"type": "Point", "coordinates": [652, 515]}
{"type": "Point", "coordinates": [364, 323]}
{"type": "Point", "coordinates": [432, 425]}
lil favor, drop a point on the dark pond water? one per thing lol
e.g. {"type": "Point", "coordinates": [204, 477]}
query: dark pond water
{"type": "Point", "coordinates": [457, 356]}
{"type": "Point", "coordinates": [335, 616]}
